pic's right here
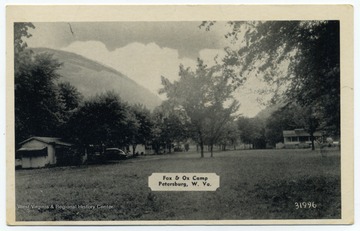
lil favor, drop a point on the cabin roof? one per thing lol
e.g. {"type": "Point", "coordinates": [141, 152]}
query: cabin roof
{"type": "Point", "coordinates": [47, 140]}
{"type": "Point", "coordinates": [299, 132]}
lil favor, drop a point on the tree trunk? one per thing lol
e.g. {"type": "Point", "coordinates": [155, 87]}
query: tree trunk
{"type": "Point", "coordinates": [211, 150]}
{"type": "Point", "coordinates": [156, 148]}
{"type": "Point", "coordinates": [201, 149]}
{"type": "Point", "coordinates": [201, 145]}
{"type": "Point", "coordinates": [133, 148]}
{"type": "Point", "coordinates": [312, 141]}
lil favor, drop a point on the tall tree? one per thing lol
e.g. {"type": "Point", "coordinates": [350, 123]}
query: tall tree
{"type": "Point", "coordinates": [310, 119]}
{"type": "Point", "coordinates": [37, 110]}
{"type": "Point", "coordinates": [142, 126]}
{"type": "Point", "coordinates": [42, 105]}
{"type": "Point", "coordinates": [69, 100]}
{"type": "Point", "coordinates": [102, 120]}
{"type": "Point", "coordinates": [20, 52]}
{"type": "Point", "coordinates": [170, 127]}
{"type": "Point", "coordinates": [216, 123]}
{"type": "Point", "coordinates": [230, 135]}
{"type": "Point", "coordinates": [280, 120]}
{"type": "Point", "coordinates": [202, 95]}
{"type": "Point", "coordinates": [69, 96]}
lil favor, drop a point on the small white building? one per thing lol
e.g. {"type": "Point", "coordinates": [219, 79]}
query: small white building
{"type": "Point", "coordinates": [299, 138]}
{"type": "Point", "coordinates": [38, 152]}
{"type": "Point", "coordinates": [142, 149]}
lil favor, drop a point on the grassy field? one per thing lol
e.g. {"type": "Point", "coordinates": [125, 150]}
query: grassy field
{"type": "Point", "coordinates": [254, 184]}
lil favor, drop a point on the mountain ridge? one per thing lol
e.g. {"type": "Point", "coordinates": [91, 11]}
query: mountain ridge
{"type": "Point", "coordinates": [268, 111]}
{"type": "Point", "coordinates": [91, 77]}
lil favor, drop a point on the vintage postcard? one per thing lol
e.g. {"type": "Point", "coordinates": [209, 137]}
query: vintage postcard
{"type": "Point", "coordinates": [180, 115]}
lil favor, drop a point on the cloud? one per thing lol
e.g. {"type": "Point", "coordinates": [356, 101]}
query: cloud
{"type": "Point", "coordinates": [185, 37]}
{"type": "Point", "coordinates": [144, 51]}
{"type": "Point", "coordinates": [146, 63]}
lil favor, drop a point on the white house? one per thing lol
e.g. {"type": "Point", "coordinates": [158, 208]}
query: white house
{"type": "Point", "coordinates": [38, 152]}
{"type": "Point", "coordinates": [299, 138]}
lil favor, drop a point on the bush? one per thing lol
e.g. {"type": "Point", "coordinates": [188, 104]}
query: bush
{"type": "Point", "coordinates": [68, 157]}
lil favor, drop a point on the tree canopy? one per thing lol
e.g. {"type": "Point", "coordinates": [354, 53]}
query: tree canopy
{"type": "Point", "coordinates": [42, 105]}
{"type": "Point", "coordinates": [37, 110]}
{"type": "Point", "coordinates": [252, 131]}
{"type": "Point", "coordinates": [299, 59]}
{"type": "Point", "coordinates": [101, 120]}
{"type": "Point", "coordinates": [205, 96]}
{"type": "Point", "coordinates": [141, 125]}
{"type": "Point", "coordinates": [170, 127]}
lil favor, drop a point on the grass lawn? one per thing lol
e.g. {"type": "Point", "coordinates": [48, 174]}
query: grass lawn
{"type": "Point", "coordinates": [254, 184]}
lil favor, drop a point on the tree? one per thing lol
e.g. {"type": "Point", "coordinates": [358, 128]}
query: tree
{"type": "Point", "coordinates": [216, 122]}
{"type": "Point", "coordinates": [252, 131]}
{"type": "Point", "coordinates": [69, 96]}
{"type": "Point", "coordinates": [102, 120]}
{"type": "Point", "coordinates": [201, 95]}
{"type": "Point", "coordinates": [280, 120]}
{"type": "Point", "coordinates": [230, 135]}
{"type": "Point", "coordinates": [37, 110]}
{"type": "Point", "coordinates": [309, 49]}
{"type": "Point", "coordinates": [21, 54]}
{"type": "Point", "coordinates": [42, 106]}
{"type": "Point", "coordinates": [310, 119]}
{"type": "Point", "coordinates": [169, 127]}
{"type": "Point", "coordinates": [69, 100]}
{"type": "Point", "coordinates": [142, 126]}
{"type": "Point", "coordinates": [157, 140]}
{"type": "Point", "coordinates": [20, 31]}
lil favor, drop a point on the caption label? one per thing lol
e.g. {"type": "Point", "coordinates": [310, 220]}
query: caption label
{"type": "Point", "coordinates": [184, 181]}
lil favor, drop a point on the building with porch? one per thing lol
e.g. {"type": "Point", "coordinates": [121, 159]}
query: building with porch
{"type": "Point", "coordinates": [38, 152]}
{"type": "Point", "coordinates": [299, 138]}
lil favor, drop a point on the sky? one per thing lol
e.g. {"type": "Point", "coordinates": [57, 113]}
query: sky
{"type": "Point", "coordinates": [145, 51]}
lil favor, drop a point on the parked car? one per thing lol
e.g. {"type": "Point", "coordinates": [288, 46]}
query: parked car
{"type": "Point", "coordinates": [115, 154]}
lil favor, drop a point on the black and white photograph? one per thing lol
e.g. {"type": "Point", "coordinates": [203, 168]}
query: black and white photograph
{"type": "Point", "coordinates": [181, 120]}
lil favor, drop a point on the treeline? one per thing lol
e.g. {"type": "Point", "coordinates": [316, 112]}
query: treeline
{"type": "Point", "coordinates": [46, 106]}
